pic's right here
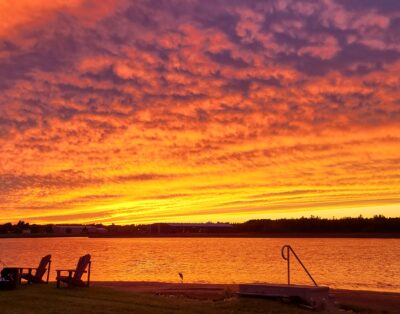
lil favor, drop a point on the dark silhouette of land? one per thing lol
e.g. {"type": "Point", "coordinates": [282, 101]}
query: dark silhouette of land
{"type": "Point", "coordinates": [378, 226]}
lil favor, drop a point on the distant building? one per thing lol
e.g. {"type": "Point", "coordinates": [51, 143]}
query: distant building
{"type": "Point", "coordinates": [26, 231]}
{"type": "Point", "coordinates": [78, 229]}
{"type": "Point", "coordinates": [190, 228]}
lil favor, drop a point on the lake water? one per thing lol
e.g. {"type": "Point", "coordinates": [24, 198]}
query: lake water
{"type": "Point", "coordinates": [368, 264]}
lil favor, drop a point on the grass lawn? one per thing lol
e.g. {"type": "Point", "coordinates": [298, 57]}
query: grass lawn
{"type": "Point", "coordinates": [48, 299]}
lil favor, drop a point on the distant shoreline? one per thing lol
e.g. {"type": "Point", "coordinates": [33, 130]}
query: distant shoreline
{"type": "Point", "coordinates": [257, 235]}
{"type": "Point", "coordinates": [213, 235]}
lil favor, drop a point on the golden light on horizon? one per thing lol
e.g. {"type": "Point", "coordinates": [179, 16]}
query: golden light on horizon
{"type": "Point", "coordinates": [127, 112]}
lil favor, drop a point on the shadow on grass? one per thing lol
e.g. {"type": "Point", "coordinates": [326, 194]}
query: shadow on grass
{"type": "Point", "coordinates": [47, 299]}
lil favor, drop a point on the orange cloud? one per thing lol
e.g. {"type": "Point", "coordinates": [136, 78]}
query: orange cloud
{"type": "Point", "coordinates": [16, 13]}
{"type": "Point", "coordinates": [133, 112]}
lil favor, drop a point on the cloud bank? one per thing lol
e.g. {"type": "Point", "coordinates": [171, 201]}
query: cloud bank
{"type": "Point", "coordinates": [140, 111]}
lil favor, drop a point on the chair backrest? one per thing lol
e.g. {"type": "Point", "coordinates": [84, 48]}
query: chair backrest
{"type": "Point", "coordinates": [81, 266]}
{"type": "Point", "coordinates": [41, 270]}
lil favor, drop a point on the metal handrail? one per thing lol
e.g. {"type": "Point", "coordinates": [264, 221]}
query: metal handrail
{"type": "Point", "coordinates": [287, 258]}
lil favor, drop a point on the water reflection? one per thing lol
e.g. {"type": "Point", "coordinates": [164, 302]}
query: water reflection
{"type": "Point", "coordinates": [371, 264]}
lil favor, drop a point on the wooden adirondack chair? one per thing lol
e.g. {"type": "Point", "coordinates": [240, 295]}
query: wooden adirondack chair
{"type": "Point", "coordinates": [74, 277]}
{"type": "Point", "coordinates": [36, 277]}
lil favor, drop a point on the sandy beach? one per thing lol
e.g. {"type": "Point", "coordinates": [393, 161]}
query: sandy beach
{"type": "Point", "coordinates": [359, 300]}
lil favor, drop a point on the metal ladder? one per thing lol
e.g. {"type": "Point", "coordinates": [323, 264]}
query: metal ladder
{"type": "Point", "coordinates": [287, 249]}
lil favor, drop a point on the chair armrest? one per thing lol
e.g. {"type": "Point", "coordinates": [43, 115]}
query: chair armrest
{"type": "Point", "coordinates": [70, 272]}
{"type": "Point", "coordinates": [29, 269]}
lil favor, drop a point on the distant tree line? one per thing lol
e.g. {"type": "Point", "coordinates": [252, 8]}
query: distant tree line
{"type": "Point", "coordinates": [25, 227]}
{"type": "Point", "coordinates": [21, 226]}
{"type": "Point", "coordinates": [376, 224]}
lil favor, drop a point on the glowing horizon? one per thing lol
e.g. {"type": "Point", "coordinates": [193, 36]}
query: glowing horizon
{"type": "Point", "coordinates": [159, 111]}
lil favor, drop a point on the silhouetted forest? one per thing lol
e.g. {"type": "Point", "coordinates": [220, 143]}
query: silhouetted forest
{"type": "Point", "coordinates": [21, 226]}
{"type": "Point", "coordinates": [377, 224]}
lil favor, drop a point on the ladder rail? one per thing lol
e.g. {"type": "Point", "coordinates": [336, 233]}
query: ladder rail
{"type": "Point", "coordinates": [287, 258]}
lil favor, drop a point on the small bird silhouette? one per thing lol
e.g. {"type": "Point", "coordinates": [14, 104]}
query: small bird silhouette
{"type": "Point", "coordinates": [181, 275]}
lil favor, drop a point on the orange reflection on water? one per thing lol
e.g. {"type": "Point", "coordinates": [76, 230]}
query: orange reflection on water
{"type": "Point", "coordinates": [368, 264]}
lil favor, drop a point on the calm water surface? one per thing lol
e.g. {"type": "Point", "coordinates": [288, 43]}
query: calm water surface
{"type": "Point", "coordinates": [372, 264]}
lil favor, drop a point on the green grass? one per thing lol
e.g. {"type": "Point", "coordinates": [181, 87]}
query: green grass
{"type": "Point", "coordinates": [48, 299]}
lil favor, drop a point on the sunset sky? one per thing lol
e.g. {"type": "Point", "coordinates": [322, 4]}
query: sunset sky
{"type": "Point", "coordinates": [131, 111]}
